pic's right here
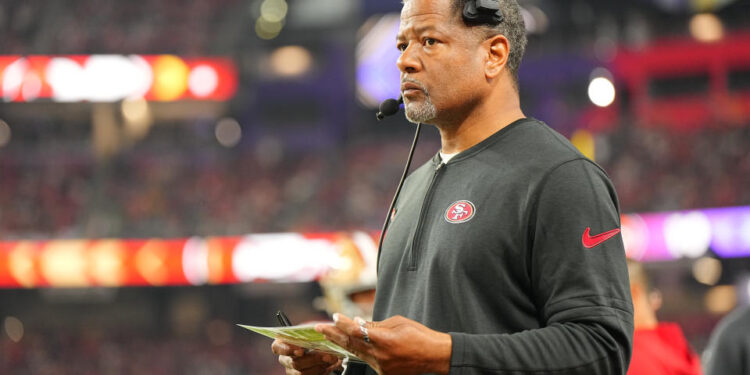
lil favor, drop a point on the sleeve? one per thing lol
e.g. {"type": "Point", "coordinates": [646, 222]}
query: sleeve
{"type": "Point", "coordinates": [579, 283]}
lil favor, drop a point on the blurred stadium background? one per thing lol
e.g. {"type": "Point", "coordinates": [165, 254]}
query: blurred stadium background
{"type": "Point", "coordinates": [171, 168]}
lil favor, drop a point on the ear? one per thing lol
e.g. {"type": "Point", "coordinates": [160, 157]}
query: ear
{"type": "Point", "coordinates": [498, 51]}
{"type": "Point", "coordinates": [655, 300]}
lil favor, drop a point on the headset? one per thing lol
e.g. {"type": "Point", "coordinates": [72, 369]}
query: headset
{"type": "Point", "coordinates": [482, 12]}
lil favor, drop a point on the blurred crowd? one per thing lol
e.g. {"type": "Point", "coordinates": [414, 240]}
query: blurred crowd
{"type": "Point", "coordinates": [78, 353]}
{"type": "Point", "coordinates": [110, 26]}
{"type": "Point", "coordinates": [174, 190]}
{"type": "Point", "coordinates": [182, 330]}
{"type": "Point", "coordinates": [656, 169]}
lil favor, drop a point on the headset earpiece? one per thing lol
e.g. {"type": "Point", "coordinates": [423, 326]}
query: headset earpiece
{"type": "Point", "coordinates": [483, 12]}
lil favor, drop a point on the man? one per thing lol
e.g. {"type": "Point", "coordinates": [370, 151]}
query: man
{"type": "Point", "coordinates": [529, 276]}
{"type": "Point", "coordinates": [728, 349]}
{"type": "Point", "coordinates": [658, 348]}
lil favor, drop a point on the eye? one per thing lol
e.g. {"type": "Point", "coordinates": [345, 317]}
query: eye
{"type": "Point", "coordinates": [430, 41]}
{"type": "Point", "coordinates": [402, 47]}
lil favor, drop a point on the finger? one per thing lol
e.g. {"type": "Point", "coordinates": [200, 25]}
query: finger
{"type": "Point", "coordinates": [330, 359]}
{"type": "Point", "coordinates": [374, 329]}
{"type": "Point", "coordinates": [370, 327]}
{"type": "Point", "coordinates": [283, 348]}
{"type": "Point", "coordinates": [286, 362]}
{"type": "Point", "coordinates": [333, 334]}
{"type": "Point", "coordinates": [353, 344]}
{"type": "Point", "coordinates": [311, 361]}
{"type": "Point", "coordinates": [349, 326]}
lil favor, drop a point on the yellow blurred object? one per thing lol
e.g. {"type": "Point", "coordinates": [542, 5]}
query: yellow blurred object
{"type": "Point", "coordinates": [274, 10]}
{"type": "Point", "coordinates": [21, 264]}
{"type": "Point", "coordinates": [707, 270]}
{"type": "Point", "coordinates": [266, 29]}
{"type": "Point", "coordinates": [170, 78]}
{"type": "Point", "coordinates": [106, 262]}
{"type": "Point", "coordinates": [290, 61]}
{"type": "Point", "coordinates": [64, 263]}
{"type": "Point", "coordinates": [138, 118]}
{"type": "Point", "coordinates": [584, 142]}
{"type": "Point", "coordinates": [706, 28]}
{"type": "Point", "coordinates": [151, 262]}
{"type": "Point", "coordinates": [721, 299]}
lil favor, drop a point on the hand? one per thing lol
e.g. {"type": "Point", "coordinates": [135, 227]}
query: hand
{"type": "Point", "coordinates": [297, 361]}
{"type": "Point", "coordinates": [397, 345]}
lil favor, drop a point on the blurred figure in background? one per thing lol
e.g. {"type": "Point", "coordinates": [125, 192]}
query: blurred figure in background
{"type": "Point", "coordinates": [350, 288]}
{"type": "Point", "coordinates": [658, 348]}
{"type": "Point", "coordinates": [728, 350]}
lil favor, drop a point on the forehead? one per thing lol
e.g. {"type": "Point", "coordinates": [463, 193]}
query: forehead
{"type": "Point", "coordinates": [420, 13]}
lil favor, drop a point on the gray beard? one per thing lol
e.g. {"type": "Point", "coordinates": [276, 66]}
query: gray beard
{"type": "Point", "coordinates": [421, 112]}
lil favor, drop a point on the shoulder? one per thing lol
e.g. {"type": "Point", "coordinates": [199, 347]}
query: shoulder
{"type": "Point", "coordinates": [735, 325]}
{"type": "Point", "coordinates": [533, 145]}
{"type": "Point", "coordinates": [729, 343]}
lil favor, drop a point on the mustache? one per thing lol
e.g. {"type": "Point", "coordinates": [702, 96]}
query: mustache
{"type": "Point", "coordinates": [414, 81]}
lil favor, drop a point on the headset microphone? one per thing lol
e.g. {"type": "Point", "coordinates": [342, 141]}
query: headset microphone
{"type": "Point", "coordinates": [389, 107]}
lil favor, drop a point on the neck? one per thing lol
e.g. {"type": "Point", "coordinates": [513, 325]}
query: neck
{"type": "Point", "coordinates": [644, 316]}
{"type": "Point", "coordinates": [479, 121]}
{"type": "Point", "coordinates": [646, 322]}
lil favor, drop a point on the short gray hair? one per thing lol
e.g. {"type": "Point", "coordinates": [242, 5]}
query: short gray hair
{"type": "Point", "coordinates": [513, 28]}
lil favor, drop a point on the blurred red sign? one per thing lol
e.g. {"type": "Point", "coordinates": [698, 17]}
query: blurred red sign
{"type": "Point", "coordinates": [282, 257]}
{"type": "Point", "coordinates": [109, 78]}
{"type": "Point", "coordinates": [685, 84]}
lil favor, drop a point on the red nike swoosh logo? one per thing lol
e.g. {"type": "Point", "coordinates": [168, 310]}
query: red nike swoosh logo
{"type": "Point", "coordinates": [590, 241]}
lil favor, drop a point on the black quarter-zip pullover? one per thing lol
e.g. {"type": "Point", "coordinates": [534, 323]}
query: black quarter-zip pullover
{"type": "Point", "coordinates": [513, 248]}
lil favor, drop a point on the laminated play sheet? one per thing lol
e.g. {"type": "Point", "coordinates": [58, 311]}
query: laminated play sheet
{"type": "Point", "coordinates": [304, 336]}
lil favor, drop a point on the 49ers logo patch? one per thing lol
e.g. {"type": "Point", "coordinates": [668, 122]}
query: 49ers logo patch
{"type": "Point", "coordinates": [460, 212]}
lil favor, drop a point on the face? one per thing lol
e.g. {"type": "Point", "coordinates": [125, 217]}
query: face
{"type": "Point", "coordinates": [441, 62]}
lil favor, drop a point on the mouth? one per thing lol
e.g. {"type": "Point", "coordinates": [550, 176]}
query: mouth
{"type": "Point", "coordinates": [411, 89]}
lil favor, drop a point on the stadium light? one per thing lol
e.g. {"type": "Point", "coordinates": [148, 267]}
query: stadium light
{"type": "Point", "coordinates": [64, 263]}
{"type": "Point", "coordinates": [274, 10]}
{"type": "Point", "coordinates": [706, 28]}
{"type": "Point", "coordinates": [687, 234]}
{"type": "Point", "coordinates": [106, 263]}
{"type": "Point", "coordinates": [602, 91]}
{"type": "Point", "coordinates": [290, 61]}
{"type": "Point", "coordinates": [195, 263]}
{"type": "Point", "coordinates": [13, 328]}
{"type": "Point", "coordinates": [228, 132]}
{"type": "Point", "coordinates": [170, 77]}
{"type": "Point", "coordinates": [203, 80]}
{"type": "Point", "coordinates": [707, 270]}
{"type": "Point", "coordinates": [721, 299]}
{"type": "Point", "coordinates": [266, 29]}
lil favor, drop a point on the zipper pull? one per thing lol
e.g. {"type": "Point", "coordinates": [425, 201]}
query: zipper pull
{"type": "Point", "coordinates": [439, 166]}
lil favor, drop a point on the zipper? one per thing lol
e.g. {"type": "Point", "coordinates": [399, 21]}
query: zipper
{"type": "Point", "coordinates": [420, 221]}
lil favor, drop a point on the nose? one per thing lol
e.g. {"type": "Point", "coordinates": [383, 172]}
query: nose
{"type": "Point", "coordinates": [408, 61]}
